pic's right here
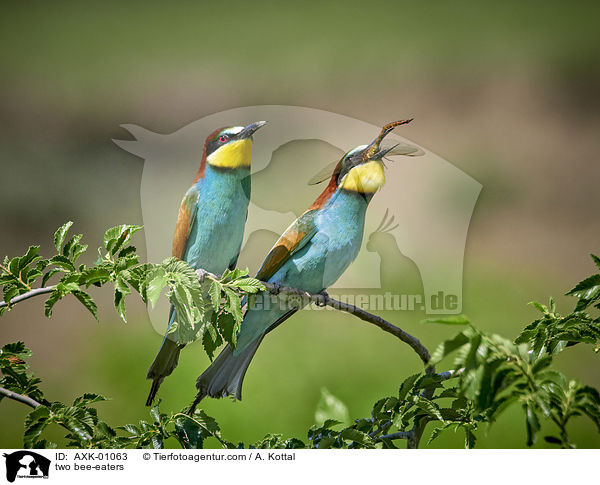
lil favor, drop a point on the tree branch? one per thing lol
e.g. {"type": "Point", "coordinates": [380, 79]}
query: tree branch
{"type": "Point", "coordinates": [19, 397]}
{"type": "Point", "coordinates": [29, 402]}
{"type": "Point", "coordinates": [400, 435]}
{"type": "Point", "coordinates": [29, 294]}
{"type": "Point", "coordinates": [323, 299]}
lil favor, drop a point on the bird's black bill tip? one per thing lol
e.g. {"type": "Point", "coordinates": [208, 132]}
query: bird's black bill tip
{"type": "Point", "coordinates": [249, 130]}
{"type": "Point", "coordinates": [382, 153]}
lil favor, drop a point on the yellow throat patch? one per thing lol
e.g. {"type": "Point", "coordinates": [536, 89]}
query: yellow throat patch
{"type": "Point", "coordinates": [366, 178]}
{"type": "Point", "coordinates": [234, 154]}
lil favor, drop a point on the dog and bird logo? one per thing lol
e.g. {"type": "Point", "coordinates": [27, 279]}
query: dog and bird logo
{"type": "Point", "coordinates": [26, 464]}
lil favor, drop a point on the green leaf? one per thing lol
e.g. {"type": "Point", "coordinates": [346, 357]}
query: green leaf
{"type": "Point", "coordinates": [330, 408]}
{"type": "Point", "coordinates": [121, 290]}
{"type": "Point", "coordinates": [35, 423]}
{"type": "Point", "coordinates": [430, 408]}
{"type": "Point", "coordinates": [155, 413]}
{"type": "Point", "coordinates": [215, 294]}
{"type": "Point", "coordinates": [235, 274]}
{"type": "Point", "coordinates": [539, 306]}
{"type": "Point", "coordinates": [189, 433]}
{"type": "Point", "coordinates": [130, 428]}
{"type": "Point", "coordinates": [451, 320]}
{"type": "Point", "coordinates": [188, 315]}
{"type": "Point", "coordinates": [553, 440]}
{"type": "Point", "coordinates": [359, 437]}
{"type": "Point", "coordinates": [116, 237]}
{"type": "Point", "coordinates": [78, 251]}
{"type": "Point", "coordinates": [407, 385]}
{"type": "Point", "coordinates": [94, 275]}
{"type": "Point", "coordinates": [71, 245]}
{"type": "Point", "coordinates": [25, 260]}
{"type": "Point", "coordinates": [228, 328]}
{"type": "Point", "coordinates": [103, 430]}
{"type": "Point", "coordinates": [586, 288]}
{"type": "Point", "coordinates": [192, 431]}
{"type": "Point", "coordinates": [62, 262]}
{"type": "Point", "coordinates": [249, 285]}
{"type": "Point", "coordinates": [128, 251]}
{"type": "Point", "coordinates": [533, 425]}
{"type": "Point", "coordinates": [211, 340]}
{"type": "Point", "coordinates": [439, 430]}
{"type": "Point", "coordinates": [449, 346]}
{"type": "Point", "coordinates": [87, 399]}
{"type": "Point", "coordinates": [234, 305]}
{"type": "Point", "coordinates": [156, 282]}
{"type": "Point", "coordinates": [208, 423]}
{"type": "Point", "coordinates": [51, 301]}
{"type": "Point", "coordinates": [86, 301]}
{"type": "Point", "coordinates": [60, 234]}
{"type": "Point", "coordinates": [470, 437]}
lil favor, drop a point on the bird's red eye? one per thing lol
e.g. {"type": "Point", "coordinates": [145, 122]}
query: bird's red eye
{"type": "Point", "coordinates": [222, 138]}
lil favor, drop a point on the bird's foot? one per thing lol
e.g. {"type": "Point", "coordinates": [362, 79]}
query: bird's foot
{"type": "Point", "coordinates": [323, 300]}
{"type": "Point", "coordinates": [276, 288]}
{"type": "Point", "coordinates": [201, 275]}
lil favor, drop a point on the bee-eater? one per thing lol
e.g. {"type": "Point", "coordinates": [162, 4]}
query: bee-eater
{"type": "Point", "coordinates": [311, 255]}
{"type": "Point", "coordinates": [210, 226]}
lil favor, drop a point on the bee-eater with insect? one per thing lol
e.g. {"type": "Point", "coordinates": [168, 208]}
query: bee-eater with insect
{"type": "Point", "coordinates": [210, 226]}
{"type": "Point", "coordinates": [311, 255]}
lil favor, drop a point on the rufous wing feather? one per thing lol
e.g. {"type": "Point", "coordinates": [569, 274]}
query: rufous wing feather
{"type": "Point", "coordinates": [185, 221]}
{"type": "Point", "coordinates": [293, 239]}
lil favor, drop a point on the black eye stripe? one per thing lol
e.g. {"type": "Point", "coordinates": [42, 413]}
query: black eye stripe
{"type": "Point", "coordinates": [348, 164]}
{"type": "Point", "coordinates": [216, 142]}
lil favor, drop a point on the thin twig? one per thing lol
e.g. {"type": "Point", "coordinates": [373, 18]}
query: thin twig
{"type": "Point", "coordinates": [29, 294]}
{"type": "Point", "coordinates": [400, 435]}
{"type": "Point", "coordinates": [29, 402]}
{"type": "Point", "coordinates": [19, 397]}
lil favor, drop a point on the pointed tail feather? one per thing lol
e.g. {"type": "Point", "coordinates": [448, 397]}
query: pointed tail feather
{"type": "Point", "coordinates": [153, 390]}
{"type": "Point", "coordinates": [225, 376]}
{"type": "Point", "coordinates": [164, 363]}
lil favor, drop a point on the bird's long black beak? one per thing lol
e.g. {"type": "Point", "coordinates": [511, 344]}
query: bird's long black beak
{"type": "Point", "coordinates": [382, 153]}
{"type": "Point", "coordinates": [249, 130]}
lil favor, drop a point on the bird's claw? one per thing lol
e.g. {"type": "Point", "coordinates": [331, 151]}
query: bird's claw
{"type": "Point", "coordinates": [276, 288]}
{"type": "Point", "coordinates": [325, 297]}
{"type": "Point", "coordinates": [201, 275]}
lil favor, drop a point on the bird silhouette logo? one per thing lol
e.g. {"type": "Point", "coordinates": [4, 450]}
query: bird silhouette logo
{"type": "Point", "coordinates": [26, 464]}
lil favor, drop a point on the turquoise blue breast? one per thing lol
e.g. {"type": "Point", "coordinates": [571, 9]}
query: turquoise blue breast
{"type": "Point", "coordinates": [218, 230]}
{"type": "Point", "coordinates": [319, 264]}
{"type": "Point", "coordinates": [340, 226]}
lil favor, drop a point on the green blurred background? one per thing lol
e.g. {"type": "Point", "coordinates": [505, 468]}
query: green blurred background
{"type": "Point", "coordinates": [506, 91]}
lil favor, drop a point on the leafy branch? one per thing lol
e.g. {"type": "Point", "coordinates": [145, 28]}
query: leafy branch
{"type": "Point", "coordinates": [488, 373]}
